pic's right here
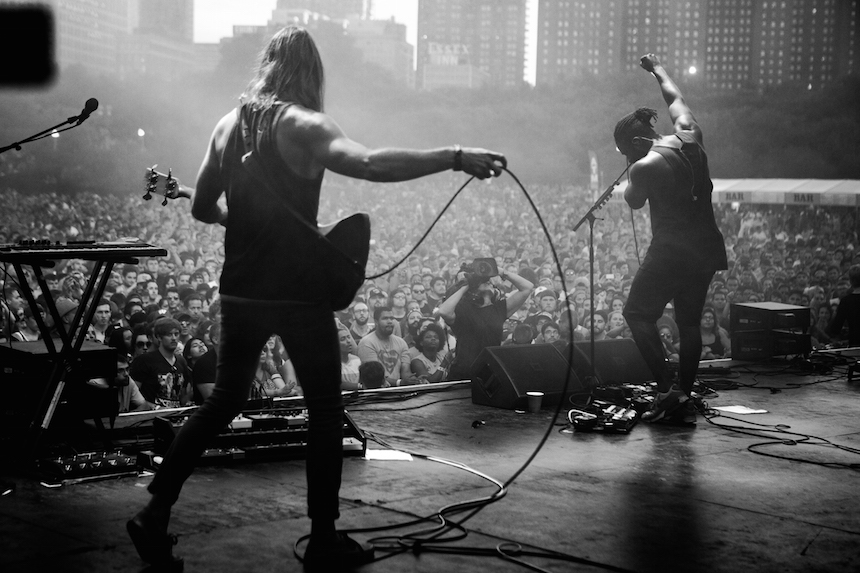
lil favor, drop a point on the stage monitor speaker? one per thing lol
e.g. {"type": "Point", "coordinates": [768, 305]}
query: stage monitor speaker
{"type": "Point", "coordinates": [502, 375]}
{"type": "Point", "coordinates": [616, 361]}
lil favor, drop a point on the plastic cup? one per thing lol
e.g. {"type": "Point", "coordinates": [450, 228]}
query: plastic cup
{"type": "Point", "coordinates": [535, 400]}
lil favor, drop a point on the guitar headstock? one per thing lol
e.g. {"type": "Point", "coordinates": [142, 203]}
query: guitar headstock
{"type": "Point", "coordinates": [164, 184]}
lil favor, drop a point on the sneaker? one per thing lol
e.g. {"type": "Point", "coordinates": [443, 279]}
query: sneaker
{"type": "Point", "coordinates": [154, 548]}
{"type": "Point", "coordinates": [344, 554]}
{"type": "Point", "coordinates": [683, 415]}
{"type": "Point", "coordinates": [664, 404]}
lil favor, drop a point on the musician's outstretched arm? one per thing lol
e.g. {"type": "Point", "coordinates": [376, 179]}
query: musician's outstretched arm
{"type": "Point", "coordinates": [204, 203]}
{"type": "Point", "coordinates": [329, 146]}
{"type": "Point", "coordinates": [680, 113]}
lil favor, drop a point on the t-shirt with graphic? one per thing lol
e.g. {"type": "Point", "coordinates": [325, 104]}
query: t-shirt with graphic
{"type": "Point", "coordinates": [391, 352]}
{"type": "Point", "coordinates": [161, 383]}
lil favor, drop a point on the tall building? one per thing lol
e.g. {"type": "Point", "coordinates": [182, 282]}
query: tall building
{"type": "Point", "coordinates": [383, 43]}
{"type": "Point", "coordinates": [166, 18]}
{"type": "Point", "coordinates": [728, 44]}
{"type": "Point", "coordinates": [333, 9]}
{"type": "Point", "coordinates": [88, 33]}
{"type": "Point", "coordinates": [471, 42]}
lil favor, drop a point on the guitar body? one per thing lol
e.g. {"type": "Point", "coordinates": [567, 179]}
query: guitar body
{"type": "Point", "coordinates": [338, 250]}
{"type": "Point", "coordinates": [351, 236]}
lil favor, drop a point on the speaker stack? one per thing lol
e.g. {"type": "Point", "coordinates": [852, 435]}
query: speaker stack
{"type": "Point", "coordinates": [764, 329]}
{"type": "Point", "coordinates": [502, 375]}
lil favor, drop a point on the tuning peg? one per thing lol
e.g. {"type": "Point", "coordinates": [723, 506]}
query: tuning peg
{"type": "Point", "coordinates": [164, 203]}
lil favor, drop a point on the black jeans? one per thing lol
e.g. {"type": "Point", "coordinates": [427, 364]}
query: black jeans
{"type": "Point", "coordinates": [310, 337]}
{"type": "Point", "coordinates": [649, 294]}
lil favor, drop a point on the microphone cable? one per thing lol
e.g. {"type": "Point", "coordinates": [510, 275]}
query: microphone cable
{"type": "Point", "coordinates": [474, 506]}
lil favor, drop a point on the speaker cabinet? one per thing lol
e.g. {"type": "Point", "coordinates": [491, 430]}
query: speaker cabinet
{"type": "Point", "coordinates": [502, 375]}
{"type": "Point", "coordinates": [616, 361]}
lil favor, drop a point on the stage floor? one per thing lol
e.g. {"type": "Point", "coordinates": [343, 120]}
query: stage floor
{"type": "Point", "coordinates": [661, 498]}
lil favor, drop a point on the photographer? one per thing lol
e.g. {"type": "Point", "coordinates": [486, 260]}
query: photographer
{"type": "Point", "coordinates": [476, 311]}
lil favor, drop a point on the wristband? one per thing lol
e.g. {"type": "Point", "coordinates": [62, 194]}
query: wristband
{"type": "Point", "coordinates": [458, 158]}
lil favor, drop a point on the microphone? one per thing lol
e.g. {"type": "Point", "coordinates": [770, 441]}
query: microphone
{"type": "Point", "coordinates": [89, 107]}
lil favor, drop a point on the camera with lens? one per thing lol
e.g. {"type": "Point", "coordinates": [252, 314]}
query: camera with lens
{"type": "Point", "coordinates": [480, 270]}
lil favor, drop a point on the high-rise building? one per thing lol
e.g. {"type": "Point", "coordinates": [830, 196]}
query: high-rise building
{"type": "Point", "coordinates": [728, 44]}
{"type": "Point", "coordinates": [471, 42]}
{"type": "Point", "coordinates": [88, 33]}
{"type": "Point", "coordinates": [383, 43]}
{"type": "Point", "coordinates": [333, 9]}
{"type": "Point", "coordinates": [172, 19]}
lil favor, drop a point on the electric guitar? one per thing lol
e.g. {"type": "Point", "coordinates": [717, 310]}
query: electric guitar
{"type": "Point", "coordinates": [351, 234]}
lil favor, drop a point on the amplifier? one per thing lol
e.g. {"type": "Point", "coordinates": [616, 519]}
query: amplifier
{"type": "Point", "coordinates": [769, 316]}
{"type": "Point", "coordinates": [95, 360]}
{"type": "Point", "coordinates": [761, 344]}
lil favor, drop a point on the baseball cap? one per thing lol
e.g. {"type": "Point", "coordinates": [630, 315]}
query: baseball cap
{"type": "Point", "coordinates": [375, 292]}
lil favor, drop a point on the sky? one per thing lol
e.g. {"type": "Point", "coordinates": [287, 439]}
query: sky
{"type": "Point", "coordinates": [214, 19]}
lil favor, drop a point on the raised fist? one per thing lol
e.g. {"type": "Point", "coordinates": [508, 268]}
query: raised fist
{"type": "Point", "coordinates": [648, 61]}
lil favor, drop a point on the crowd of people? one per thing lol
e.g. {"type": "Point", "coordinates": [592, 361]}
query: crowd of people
{"type": "Point", "coordinates": [793, 255]}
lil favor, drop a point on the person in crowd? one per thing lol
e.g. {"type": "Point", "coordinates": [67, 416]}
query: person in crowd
{"type": "Point", "coordinates": [129, 279]}
{"type": "Point", "coordinates": [820, 316]}
{"type": "Point", "coordinates": [194, 307]}
{"type": "Point", "coordinates": [522, 334]}
{"type": "Point", "coordinates": [283, 363]}
{"type": "Point", "coordinates": [687, 247]}
{"type": "Point", "coordinates": [101, 328]}
{"type": "Point", "coordinates": [551, 332]}
{"type": "Point", "coordinates": [141, 339]}
{"type": "Point", "coordinates": [397, 301]}
{"type": "Point", "coordinates": [409, 326]}
{"type": "Point", "coordinates": [436, 293]}
{"type": "Point", "coordinates": [162, 374]}
{"type": "Point", "coordinates": [428, 366]}
{"type": "Point", "coordinates": [385, 347]}
{"type": "Point", "coordinates": [129, 397]}
{"type": "Point", "coordinates": [205, 365]}
{"type": "Point", "coordinates": [122, 338]}
{"type": "Point", "coordinates": [371, 375]}
{"type": "Point", "coordinates": [419, 295]}
{"type": "Point", "coordinates": [27, 327]}
{"type": "Point", "coordinates": [715, 340]}
{"type": "Point", "coordinates": [361, 325]}
{"type": "Point", "coordinates": [298, 142]}
{"type": "Point", "coordinates": [595, 327]}
{"type": "Point", "coordinates": [667, 339]}
{"type": "Point", "coordinates": [477, 315]}
{"type": "Point", "coordinates": [174, 303]}
{"type": "Point", "coordinates": [268, 382]}
{"type": "Point", "coordinates": [349, 362]}
{"type": "Point", "coordinates": [193, 351]}
{"type": "Point", "coordinates": [615, 325]}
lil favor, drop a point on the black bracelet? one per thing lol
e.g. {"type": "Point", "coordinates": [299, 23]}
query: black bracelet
{"type": "Point", "coordinates": [458, 158]}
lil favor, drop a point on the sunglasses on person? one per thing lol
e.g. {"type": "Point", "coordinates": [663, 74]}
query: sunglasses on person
{"type": "Point", "coordinates": [143, 344]}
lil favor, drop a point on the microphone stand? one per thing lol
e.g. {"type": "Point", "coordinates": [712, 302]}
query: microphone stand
{"type": "Point", "coordinates": [590, 217]}
{"type": "Point", "coordinates": [44, 134]}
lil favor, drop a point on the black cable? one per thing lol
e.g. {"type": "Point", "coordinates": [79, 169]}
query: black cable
{"type": "Point", "coordinates": [805, 439]}
{"type": "Point", "coordinates": [475, 506]}
{"type": "Point", "coordinates": [427, 232]}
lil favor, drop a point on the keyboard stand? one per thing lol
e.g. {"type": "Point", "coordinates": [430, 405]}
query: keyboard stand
{"type": "Point", "coordinates": [72, 339]}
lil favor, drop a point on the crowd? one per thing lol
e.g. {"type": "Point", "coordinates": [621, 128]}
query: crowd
{"type": "Point", "coordinates": [788, 254]}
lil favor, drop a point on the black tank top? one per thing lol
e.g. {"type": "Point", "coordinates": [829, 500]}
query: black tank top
{"type": "Point", "coordinates": [685, 236]}
{"type": "Point", "coordinates": [264, 257]}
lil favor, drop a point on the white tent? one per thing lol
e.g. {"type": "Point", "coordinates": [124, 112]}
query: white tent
{"type": "Point", "coordinates": [835, 192]}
